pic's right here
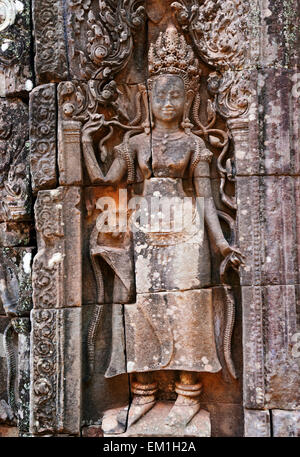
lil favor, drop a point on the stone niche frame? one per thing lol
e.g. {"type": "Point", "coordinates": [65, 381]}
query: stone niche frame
{"type": "Point", "coordinates": [56, 402]}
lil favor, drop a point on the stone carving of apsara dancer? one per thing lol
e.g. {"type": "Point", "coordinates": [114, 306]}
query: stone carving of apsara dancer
{"type": "Point", "coordinates": [170, 326]}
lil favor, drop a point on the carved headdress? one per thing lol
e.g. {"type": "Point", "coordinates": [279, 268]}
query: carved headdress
{"type": "Point", "coordinates": [172, 55]}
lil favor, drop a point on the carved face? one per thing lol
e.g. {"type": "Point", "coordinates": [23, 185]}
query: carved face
{"type": "Point", "coordinates": [168, 97]}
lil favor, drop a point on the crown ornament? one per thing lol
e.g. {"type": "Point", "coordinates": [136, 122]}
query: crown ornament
{"type": "Point", "coordinates": [172, 55]}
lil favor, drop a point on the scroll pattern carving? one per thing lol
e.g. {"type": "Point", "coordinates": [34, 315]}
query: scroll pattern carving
{"type": "Point", "coordinates": [15, 202]}
{"type": "Point", "coordinates": [47, 268]}
{"type": "Point", "coordinates": [50, 56]}
{"type": "Point", "coordinates": [44, 372]}
{"type": "Point", "coordinates": [58, 226]}
{"type": "Point", "coordinates": [219, 32]}
{"type": "Point", "coordinates": [43, 137]}
{"type": "Point", "coordinates": [108, 34]}
{"type": "Point", "coordinates": [15, 46]}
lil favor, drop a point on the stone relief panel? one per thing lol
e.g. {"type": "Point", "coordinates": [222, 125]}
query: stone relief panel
{"type": "Point", "coordinates": [14, 168]}
{"type": "Point", "coordinates": [15, 43]}
{"type": "Point", "coordinates": [50, 48]}
{"type": "Point", "coordinates": [103, 36]}
{"type": "Point", "coordinates": [55, 395]}
{"type": "Point", "coordinates": [159, 103]}
{"type": "Point", "coordinates": [118, 148]}
{"type": "Point", "coordinates": [43, 137]}
{"type": "Point", "coordinates": [57, 265]}
{"type": "Point", "coordinates": [16, 300]}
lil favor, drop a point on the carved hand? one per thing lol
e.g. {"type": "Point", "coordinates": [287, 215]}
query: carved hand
{"type": "Point", "coordinates": [236, 258]}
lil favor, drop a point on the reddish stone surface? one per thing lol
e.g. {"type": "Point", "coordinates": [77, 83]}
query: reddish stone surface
{"type": "Point", "coordinates": [93, 431]}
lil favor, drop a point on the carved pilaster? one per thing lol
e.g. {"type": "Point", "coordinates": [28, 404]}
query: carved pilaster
{"type": "Point", "coordinates": [55, 372]}
{"type": "Point", "coordinates": [69, 158]}
{"type": "Point", "coordinates": [43, 137]}
{"type": "Point", "coordinates": [56, 334]}
{"type": "Point", "coordinates": [57, 266]}
{"type": "Point", "coordinates": [50, 48]}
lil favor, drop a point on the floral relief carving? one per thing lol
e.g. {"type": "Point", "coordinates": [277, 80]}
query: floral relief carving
{"type": "Point", "coordinates": [15, 203]}
{"type": "Point", "coordinates": [219, 31]}
{"type": "Point", "coordinates": [50, 49]}
{"type": "Point", "coordinates": [108, 35]}
{"type": "Point", "coordinates": [44, 372]}
{"type": "Point", "coordinates": [43, 137]}
{"type": "Point", "coordinates": [117, 131]}
{"type": "Point", "coordinates": [47, 265]}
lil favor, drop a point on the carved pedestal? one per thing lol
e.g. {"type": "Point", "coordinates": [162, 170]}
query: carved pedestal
{"type": "Point", "coordinates": [153, 424]}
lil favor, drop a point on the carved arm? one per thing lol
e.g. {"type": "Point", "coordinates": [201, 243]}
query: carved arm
{"type": "Point", "coordinates": [203, 189]}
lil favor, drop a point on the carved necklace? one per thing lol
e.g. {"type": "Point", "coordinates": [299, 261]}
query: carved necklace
{"type": "Point", "coordinates": [165, 138]}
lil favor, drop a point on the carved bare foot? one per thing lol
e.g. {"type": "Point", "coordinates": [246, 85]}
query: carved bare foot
{"type": "Point", "coordinates": [136, 411]}
{"type": "Point", "coordinates": [183, 411]}
{"type": "Point", "coordinates": [110, 424]}
{"type": "Point", "coordinates": [180, 416]}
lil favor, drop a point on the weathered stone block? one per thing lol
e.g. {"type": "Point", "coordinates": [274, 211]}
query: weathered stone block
{"type": "Point", "coordinates": [271, 347]}
{"type": "Point", "coordinates": [102, 349]}
{"type": "Point", "coordinates": [4, 321]}
{"type": "Point", "coordinates": [276, 25]}
{"type": "Point", "coordinates": [226, 419]}
{"type": "Point", "coordinates": [153, 424]}
{"type": "Point", "coordinates": [15, 46]}
{"type": "Point", "coordinates": [14, 167]}
{"type": "Point", "coordinates": [9, 432]}
{"type": "Point", "coordinates": [72, 100]}
{"type": "Point", "coordinates": [55, 396]}
{"type": "Point", "coordinates": [269, 237]}
{"type": "Point", "coordinates": [286, 423]}
{"type": "Point", "coordinates": [15, 234]}
{"type": "Point", "coordinates": [43, 121]}
{"type": "Point", "coordinates": [93, 431]}
{"type": "Point", "coordinates": [257, 423]}
{"type": "Point", "coordinates": [181, 345]}
{"type": "Point", "coordinates": [109, 51]}
{"type": "Point", "coordinates": [108, 265]}
{"type": "Point", "coordinates": [282, 343]}
{"type": "Point", "coordinates": [266, 138]}
{"type": "Point", "coordinates": [69, 154]}
{"type": "Point", "coordinates": [15, 280]}
{"type": "Point", "coordinates": [57, 265]}
{"type": "Point", "coordinates": [50, 48]}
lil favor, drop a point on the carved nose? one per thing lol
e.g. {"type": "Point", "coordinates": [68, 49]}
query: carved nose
{"type": "Point", "coordinates": [168, 103]}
